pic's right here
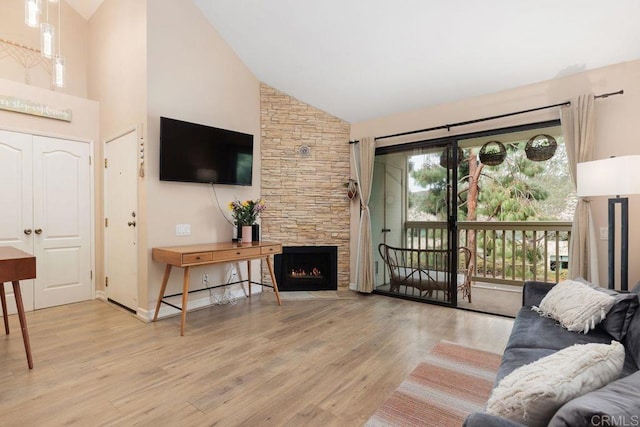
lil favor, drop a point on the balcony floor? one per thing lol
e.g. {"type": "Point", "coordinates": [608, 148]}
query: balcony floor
{"type": "Point", "coordinates": [492, 298]}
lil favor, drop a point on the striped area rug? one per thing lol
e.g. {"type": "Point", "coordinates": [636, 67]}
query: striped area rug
{"type": "Point", "coordinates": [451, 383]}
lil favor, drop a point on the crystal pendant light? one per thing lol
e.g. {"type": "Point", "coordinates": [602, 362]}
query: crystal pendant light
{"type": "Point", "coordinates": [58, 71]}
{"type": "Point", "coordinates": [32, 13]}
{"type": "Point", "coordinates": [58, 62]}
{"type": "Point", "coordinates": [47, 40]}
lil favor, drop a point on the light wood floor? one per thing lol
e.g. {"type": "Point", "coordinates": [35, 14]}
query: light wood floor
{"type": "Point", "coordinates": [306, 363]}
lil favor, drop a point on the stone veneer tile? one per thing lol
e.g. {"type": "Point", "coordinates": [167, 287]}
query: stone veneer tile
{"type": "Point", "coordinates": [306, 196]}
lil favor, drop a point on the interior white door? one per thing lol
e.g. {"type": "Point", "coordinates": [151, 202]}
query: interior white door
{"type": "Point", "coordinates": [121, 204]}
{"type": "Point", "coordinates": [62, 221]}
{"type": "Point", "coordinates": [16, 204]}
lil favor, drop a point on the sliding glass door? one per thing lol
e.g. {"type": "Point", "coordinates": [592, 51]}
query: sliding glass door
{"type": "Point", "coordinates": [413, 222]}
{"type": "Point", "coordinates": [477, 211]}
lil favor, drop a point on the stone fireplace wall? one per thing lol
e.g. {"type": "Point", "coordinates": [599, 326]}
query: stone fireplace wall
{"type": "Point", "coordinates": [305, 166]}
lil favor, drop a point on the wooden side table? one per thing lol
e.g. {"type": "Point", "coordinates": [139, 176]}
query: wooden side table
{"type": "Point", "coordinates": [16, 265]}
{"type": "Point", "coordinates": [211, 253]}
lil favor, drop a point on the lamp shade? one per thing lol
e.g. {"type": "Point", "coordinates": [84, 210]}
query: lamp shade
{"type": "Point", "coordinates": [616, 176]}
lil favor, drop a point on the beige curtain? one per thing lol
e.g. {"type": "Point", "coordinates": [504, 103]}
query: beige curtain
{"type": "Point", "coordinates": [363, 157]}
{"type": "Point", "coordinates": [578, 128]}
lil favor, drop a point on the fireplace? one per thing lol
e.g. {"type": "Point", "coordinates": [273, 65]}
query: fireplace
{"type": "Point", "coordinates": [307, 268]}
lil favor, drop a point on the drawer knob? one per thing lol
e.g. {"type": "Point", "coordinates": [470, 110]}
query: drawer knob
{"type": "Point", "coordinates": [197, 257]}
{"type": "Point", "coordinates": [238, 253]}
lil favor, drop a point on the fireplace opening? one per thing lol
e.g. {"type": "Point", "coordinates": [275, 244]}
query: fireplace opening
{"type": "Point", "coordinates": [307, 268]}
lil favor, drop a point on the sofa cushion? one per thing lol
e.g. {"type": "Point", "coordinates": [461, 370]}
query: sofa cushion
{"type": "Point", "coordinates": [480, 419]}
{"type": "Point", "coordinates": [575, 305]}
{"type": "Point", "coordinates": [632, 339]}
{"type": "Point", "coordinates": [533, 292]}
{"type": "Point", "coordinates": [530, 330]}
{"type": "Point", "coordinates": [533, 393]}
{"type": "Point", "coordinates": [630, 366]}
{"type": "Point", "coordinates": [617, 403]}
{"type": "Point", "coordinates": [513, 358]}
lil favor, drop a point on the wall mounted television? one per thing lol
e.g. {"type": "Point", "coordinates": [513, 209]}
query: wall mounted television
{"type": "Point", "coordinates": [191, 152]}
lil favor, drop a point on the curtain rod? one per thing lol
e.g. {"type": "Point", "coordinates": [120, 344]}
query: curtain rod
{"type": "Point", "coordinates": [484, 119]}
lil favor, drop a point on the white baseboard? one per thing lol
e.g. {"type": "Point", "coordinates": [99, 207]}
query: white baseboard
{"type": "Point", "coordinates": [145, 315]}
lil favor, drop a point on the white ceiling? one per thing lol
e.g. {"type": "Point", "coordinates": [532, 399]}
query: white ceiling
{"type": "Point", "coordinates": [361, 59]}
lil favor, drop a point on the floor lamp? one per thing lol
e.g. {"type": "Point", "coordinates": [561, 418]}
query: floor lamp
{"type": "Point", "coordinates": [616, 176]}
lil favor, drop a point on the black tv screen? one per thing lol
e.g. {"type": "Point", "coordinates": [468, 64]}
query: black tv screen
{"type": "Point", "coordinates": [190, 152]}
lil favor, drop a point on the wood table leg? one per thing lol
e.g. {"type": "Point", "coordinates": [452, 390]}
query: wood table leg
{"type": "Point", "coordinates": [23, 322]}
{"type": "Point", "coordinates": [165, 279]}
{"type": "Point", "coordinates": [273, 280]}
{"type": "Point", "coordinates": [249, 277]}
{"type": "Point", "coordinates": [3, 297]}
{"type": "Point", "coordinates": [185, 298]}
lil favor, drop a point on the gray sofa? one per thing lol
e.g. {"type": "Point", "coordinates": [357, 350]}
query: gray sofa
{"type": "Point", "coordinates": [534, 336]}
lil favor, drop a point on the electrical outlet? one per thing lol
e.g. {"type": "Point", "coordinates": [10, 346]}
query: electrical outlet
{"type": "Point", "coordinates": [604, 233]}
{"type": "Point", "coordinates": [205, 279]}
{"type": "Point", "coordinates": [183, 229]}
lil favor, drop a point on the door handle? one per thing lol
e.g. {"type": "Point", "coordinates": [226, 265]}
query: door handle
{"type": "Point", "coordinates": [27, 231]}
{"type": "Point", "coordinates": [131, 223]}
{"type": "Point", "coordinates": [386, 230]}
{"type": "Point", "coordinates": [38, 231]}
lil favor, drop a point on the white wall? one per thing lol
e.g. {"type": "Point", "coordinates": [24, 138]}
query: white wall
{"type": "Point", "coordinates": [617, 132]}
{"type": "Point", "coordinates": [117, 78]}
{"type": "Point", "coordinates": [83, 125]}
{"type": "Point", "coordinates": [193, 75]}
{"type": "Point", "coordinates": [73, 45]}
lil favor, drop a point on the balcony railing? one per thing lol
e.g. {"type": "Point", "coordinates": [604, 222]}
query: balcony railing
{"type": "Point", "coordinates": [502, 252]}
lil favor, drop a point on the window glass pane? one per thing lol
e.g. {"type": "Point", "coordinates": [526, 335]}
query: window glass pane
{"type": "Point", "coordinates": [427, 190]}
{"type": "Point", "coordinates": [518, 189]}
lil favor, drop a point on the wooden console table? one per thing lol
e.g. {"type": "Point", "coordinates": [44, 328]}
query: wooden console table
{"type": "Point", "coordinates": [16, 265]}
{"type": "Point", "coordinates": [213, 253]}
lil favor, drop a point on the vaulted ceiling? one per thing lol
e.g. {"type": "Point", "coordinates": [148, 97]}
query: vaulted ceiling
{"type": "Point", "coordinates": [361, 59]}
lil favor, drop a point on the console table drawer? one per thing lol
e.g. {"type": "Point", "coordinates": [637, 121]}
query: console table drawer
{"type": "Point", "coordinates": [238, 253]}
{"type": "Point", "coordinates": [197, 257]}
{"type": "Point", "coordinates": [275, 249]}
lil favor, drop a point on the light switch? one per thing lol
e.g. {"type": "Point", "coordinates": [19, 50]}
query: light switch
{"type": "Point", "coordinates": [604, 233]}
{"type": "Point", "coordinates": [183, 229]}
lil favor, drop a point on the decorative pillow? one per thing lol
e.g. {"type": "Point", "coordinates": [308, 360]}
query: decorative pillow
{"type": "Point", "coordinates": [533, 393]}
{"type": "Point", "coordinates": [619, 317]}
{"type": "Point", "coordinates": [575, 305]}
{"type": "Point", "coordinates": [617, 403]}
{"type": "Point", "coordinates": [586, 282]}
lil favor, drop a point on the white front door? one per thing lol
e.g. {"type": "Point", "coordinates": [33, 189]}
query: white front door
{"type": "Point", "coordinates": [62, 221]}
{"type": "Point", "coordinates": [16, 204]}
{"type": "Point", "coordinates": [121, 204]}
